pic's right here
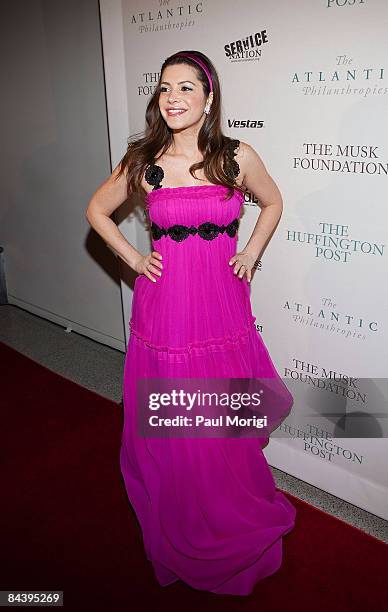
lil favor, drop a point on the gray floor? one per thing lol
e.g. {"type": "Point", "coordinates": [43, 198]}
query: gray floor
{"type": "Point", "coordinates": [100, 368]}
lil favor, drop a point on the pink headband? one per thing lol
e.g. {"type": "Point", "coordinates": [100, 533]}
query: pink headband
{"type": "Point", "coordinates": [200, 63]}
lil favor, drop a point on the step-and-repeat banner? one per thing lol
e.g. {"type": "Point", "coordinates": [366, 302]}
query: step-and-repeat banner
{"type": "Point", "coordinates": [306, 84]}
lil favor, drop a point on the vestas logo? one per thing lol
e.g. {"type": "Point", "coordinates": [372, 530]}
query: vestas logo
{"type": "Point", "coordinates": [248, 48]}
{"type": "Point", "coordinates": [245, 123]}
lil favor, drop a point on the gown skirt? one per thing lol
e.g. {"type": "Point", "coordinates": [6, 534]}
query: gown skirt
{"type": "Point", "coordinates": [208, 507]}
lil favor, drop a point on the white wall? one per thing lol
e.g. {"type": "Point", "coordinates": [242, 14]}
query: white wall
{"type": "Point", "coordinates": [55, 153]}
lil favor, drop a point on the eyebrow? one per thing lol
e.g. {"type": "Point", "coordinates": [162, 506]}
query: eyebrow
{"type": "Point", "coordinates": [179, 83]}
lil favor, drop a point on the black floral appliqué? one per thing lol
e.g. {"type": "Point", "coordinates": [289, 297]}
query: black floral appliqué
{"type": "Point", "coordinates": [154, 175]}
{"type": "Point", "coordinates": [207, 230]}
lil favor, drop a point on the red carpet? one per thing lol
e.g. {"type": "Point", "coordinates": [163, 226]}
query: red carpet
{"type": "Point", "coordinates": [67, 524]}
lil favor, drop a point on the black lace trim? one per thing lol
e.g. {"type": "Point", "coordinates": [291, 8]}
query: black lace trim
{"type": "Point", "coordinates": [207, 230]}
{"type": "Point", "coordinates": [232, 163]}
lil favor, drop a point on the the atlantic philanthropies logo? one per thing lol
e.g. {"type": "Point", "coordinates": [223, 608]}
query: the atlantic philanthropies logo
{"type": "Point", "coordinates": [329, 317]}
{"type": "Point", "coordinates": [344, 79]}
{"type": "Point", "coordinates": [166, 17]}
{"type": "Point", "coordinates": [334, 243]}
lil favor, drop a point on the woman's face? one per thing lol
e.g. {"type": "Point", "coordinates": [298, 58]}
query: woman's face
{"type": "Point", "coordinates": [181, 89]}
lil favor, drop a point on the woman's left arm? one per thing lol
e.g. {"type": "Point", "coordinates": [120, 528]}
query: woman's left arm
{"type": "Point", "coordinates": [257, 180]}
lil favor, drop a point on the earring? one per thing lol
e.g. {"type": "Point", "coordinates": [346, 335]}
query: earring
{"type": "Point", "coordinates": [206, 109]}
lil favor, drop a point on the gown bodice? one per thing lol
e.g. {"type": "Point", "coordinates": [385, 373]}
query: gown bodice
{"type": "Point", "coordinates": [198, 295]}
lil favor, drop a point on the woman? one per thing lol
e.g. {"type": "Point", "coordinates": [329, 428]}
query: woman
{"type": "Point", "coordinates": [208, 507]}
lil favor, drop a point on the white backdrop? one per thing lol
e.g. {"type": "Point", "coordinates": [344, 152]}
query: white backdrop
{"type": "Point", "coordinates": [305, 84]}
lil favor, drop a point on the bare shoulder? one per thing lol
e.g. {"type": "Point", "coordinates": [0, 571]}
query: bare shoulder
{"type": "Point", "coordinates": [248, 159]}
{"type": "Point", "coordinates": [254, 174]}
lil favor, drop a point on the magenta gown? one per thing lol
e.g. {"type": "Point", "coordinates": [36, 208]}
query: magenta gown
{"type": "Point", "coordinates": [208, 508]}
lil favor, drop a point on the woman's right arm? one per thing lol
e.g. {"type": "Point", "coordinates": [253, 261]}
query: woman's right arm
{"type": "Point", "coordinates": [105, 200]}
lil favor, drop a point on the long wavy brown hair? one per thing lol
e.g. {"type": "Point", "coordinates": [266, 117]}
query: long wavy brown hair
{"type": "Point", "coordinates": [217, 149]}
